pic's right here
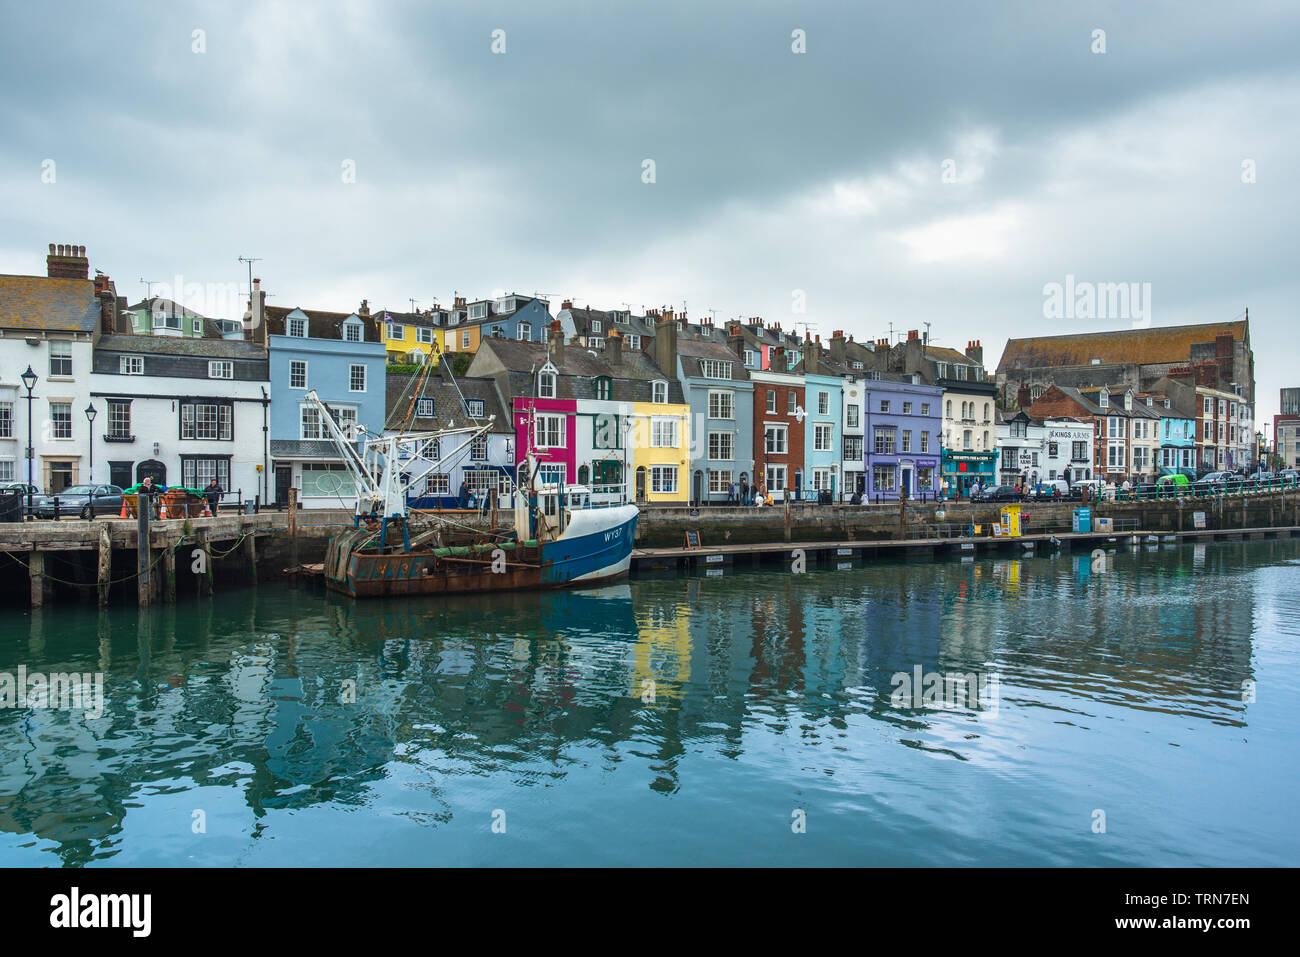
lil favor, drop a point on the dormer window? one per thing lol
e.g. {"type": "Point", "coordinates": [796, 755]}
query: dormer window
{"type": "Point", "coordinates": [604, 387]}
{"type": "Point", "coordinates": [424, 408]}
{"type": "Point", "coordinates": [474, 408]}
{"type": "Point", "coordinates": [351, 332]}
{"type": "Point", "coordinates": [1128, 400]}
{"type": "Point", "coordinates": [595, 327]}
{"type": "Point", "coordinates": [478, 310]}
{"type": "Point", "coordinates": [506, 305]}
{"type": "Point", "coordinates": [546, 380]}
{"type": "Point", "coordinates": [659, 392]}
{"type": "Point", "coordinates": [1103, 399]}
{"type": "Point", "coordinates": [297, 327]}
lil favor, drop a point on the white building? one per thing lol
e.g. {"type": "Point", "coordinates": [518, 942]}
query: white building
{"type": "Point", "coordinates": [1033, 451]}
{"type": "Point", "coordinates": [49, 324]}
{"type": "Point", "coordinates": [183, 410]}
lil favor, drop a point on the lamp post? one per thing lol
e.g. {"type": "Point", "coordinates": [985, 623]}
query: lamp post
{"type": "Point", "coordinates": [29, 380]}
{"type": "Point", "coordinates": [91, 412]}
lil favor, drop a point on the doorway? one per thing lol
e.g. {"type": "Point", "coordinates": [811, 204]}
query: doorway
{"type": "Point", "coordinates": [640, 485]}
{"type": "Point", "coordinates": [697, 487]}
{"type": "Point", "coordinates": [119, 474]}
{"type": "Point", "coordinates": [151, 468]}
{"type": "Point", "coordinates": [59, 475]}
{"type": "Point", "coordinates": [905, 482]}
{"type": "Point", "coordinates": [283, 482]}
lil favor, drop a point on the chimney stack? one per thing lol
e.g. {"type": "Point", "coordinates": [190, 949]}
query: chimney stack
{"type": "Point", "coordinates": [665, 345]}
{"type": "Point", "coordinates": [777, 362]}
{"type": "Point", "coordinates": [1022, 397]}
{"type": "Point", "coordinates": [67, 262]}
{"type": "Point", "coordinates": [837, 346]}
{"type": "Point", "coordinates": [975, 351]}
{"type": "Point", "coordinates": [567, 304]}
{"type": "Point", "coordinates": [913, 334]}
{"type": "Point", "coordinates": [614, 347]}
{"type": "Point", "coordinates": [555, 338]}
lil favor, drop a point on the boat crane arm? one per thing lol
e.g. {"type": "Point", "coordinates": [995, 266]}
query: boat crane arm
{"type": "Point", "coordinates": [367, 490]}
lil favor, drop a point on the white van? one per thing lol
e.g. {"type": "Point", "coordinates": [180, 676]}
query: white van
{"type": "Point", "coordinates": [1045, 493]}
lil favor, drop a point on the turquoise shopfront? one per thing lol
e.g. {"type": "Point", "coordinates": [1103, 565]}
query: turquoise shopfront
{"type": "Point", "coordinates": [961, 470]}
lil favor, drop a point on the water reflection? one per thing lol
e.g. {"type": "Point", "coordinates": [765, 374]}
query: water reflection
{"type": "Point", "coordinates": [295, 700]}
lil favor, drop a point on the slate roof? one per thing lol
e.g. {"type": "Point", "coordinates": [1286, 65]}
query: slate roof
{"type": "Point", "coordinates": [215, 348]}
{"type": "Point", "coordinates": [50, 305]}
{"type": "Point", "coordinates": [630, 379]}
{"type": "Point", "coordinates": [320, 325]}
{"type": "Point", "coordinates": [303, 448]}
{"type": "Point", "coordinates": [691, 351]}
{"type": "Point", "coordinates": [1162, 344]}
{"type": "Point", "coordinates": [448, 409]}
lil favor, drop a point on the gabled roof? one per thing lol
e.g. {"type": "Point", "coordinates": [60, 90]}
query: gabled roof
{"type": "Point", "coordinates": [207, 348]}
{"type": "Point", "coordinates": [515, 364]}
{"type": "Point", "coordinates": [448, 409]}
{"type": "Point", "coordinates": [320, 325]}
{"type": "Point", "coordinates": [49, 305]}
{"type": "Point", "coordinates": [1141, 346]}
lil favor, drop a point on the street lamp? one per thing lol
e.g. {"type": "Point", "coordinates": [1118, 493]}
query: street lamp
{"type": "Point", "coordinates": [91, 412]}
{"type": "Point", "coordinates": [29, 380]}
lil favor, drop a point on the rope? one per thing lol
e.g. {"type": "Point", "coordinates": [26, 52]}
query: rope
{"type": "Point", "coordinates": [95, 584]}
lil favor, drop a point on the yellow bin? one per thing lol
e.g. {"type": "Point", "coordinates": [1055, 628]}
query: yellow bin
{"type": "Point", "coordinates": [1010, 519]}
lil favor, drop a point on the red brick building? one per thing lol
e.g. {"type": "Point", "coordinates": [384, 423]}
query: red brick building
{"type": "Point", "coordinates": [778, 426]}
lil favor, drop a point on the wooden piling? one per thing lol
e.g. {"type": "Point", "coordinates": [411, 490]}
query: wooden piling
{"type": "Point", "coordinates": [250, 555]}
{"type": "Point", "coordinates": [105, 575]}
{"type": "Point", "coordinates": [143, 593]}
{"type": "Point", "coordinates": [293, 529]}
{"type": "Point", "coordinates": [169, 571]}
{"type": "Point", "coordinates": [205, 579]}
{"type": "Point", "coordinates": [36, 566]}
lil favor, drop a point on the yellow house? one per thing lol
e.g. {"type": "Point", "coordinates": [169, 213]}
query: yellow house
{"type": "Point", "coordinates": [405, 333]}
{"type": "Point", "coordinates": [661, 451]}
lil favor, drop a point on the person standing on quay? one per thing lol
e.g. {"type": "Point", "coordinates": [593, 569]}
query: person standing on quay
{"type": "Point", "coordinates": [731, 493]}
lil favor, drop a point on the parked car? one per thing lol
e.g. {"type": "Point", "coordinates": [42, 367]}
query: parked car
{"type": "Point", "coordinates": [22, 488]}
{"type": "Point", "coordinates": [1044, 494]}
{"type": "Point", "coordinates": [1172, 485]}
{"type": "Point", "coordinates": [1211, 482]}
{"type": "Point", "coordinates": [998, 493]}
{"type": "Point", "coordinates": [1289, 477]}
{"type": "Point", "coordinates": [81, 501]}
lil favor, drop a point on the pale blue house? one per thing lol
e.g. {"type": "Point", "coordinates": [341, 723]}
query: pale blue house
{"type": "Point", "coordinates": [824, 383]}
{"type": "Point", "coordinates": [342, 357]}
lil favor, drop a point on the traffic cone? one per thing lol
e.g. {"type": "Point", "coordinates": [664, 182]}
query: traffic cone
{"type": "Point", "coordinates": [122, 514]}
{"type": "Point", "coordinates": [207, 509]}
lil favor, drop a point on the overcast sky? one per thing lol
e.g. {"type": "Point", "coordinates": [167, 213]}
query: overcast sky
{"type": "Point", "coordinates": [779, 176]}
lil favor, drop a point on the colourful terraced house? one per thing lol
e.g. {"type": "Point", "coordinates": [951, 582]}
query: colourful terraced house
{"type": "Point", "coordinates": [411, 338]}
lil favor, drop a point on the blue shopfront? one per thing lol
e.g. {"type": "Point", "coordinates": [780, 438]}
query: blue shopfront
{"type": "Point", "coordinates": [961, 470]}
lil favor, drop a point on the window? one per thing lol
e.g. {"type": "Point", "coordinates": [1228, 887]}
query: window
{"type": "Point", "coordinates": [197, 472]}
{"type": "Point", "coordinates": [663, 478]}
{"type": "Point", "coordinates": [297, 374]}
{"type": "Point", "coordinates": [221, 369]}
{"type": "Point", "coordinates": [604, 387]}
{"type": "Point", "coordinates": [925, 408]}
{"type": "Point", "coordinates": [719, 479]}
{"type": "Point", "coordinates": [310, 422]}
{"type": "Point", "coordinates": [882, 478]}
{"type": "Point", "coordinates": [663, 433]}
{"type": "Point", "coordinates": [6, 420]}
{"type": "Point", "coordinates": [424, 334]}
{"type": "Point", "coordinates": [715, 369]}
{"type": "Point", "coordinates": [352, 332]}
{"type": "Point", "coordinates": [478, 448]}
{"type": "Point", "coordinates": [822, 437]}
{"type": "Point", "coordinates": [721, 446]}
{"type": "Point", "coordinates": [792, 402]}
{"type": "Point", "coordinates": [948, 412]}
{"type": "Point", "coordinates": [595, 327]}
{"type": "Point", "coordinates": [356, 378]}
{"type": "Point", "coordinates": [478, 310]}
{"type": "Point", "coordinates": [775, 475]}
{"type": "Point", "coordinates": [965, 439]}
{"type": "Point", "coordinates": [298, 328]}
{"type": "Point", "coordinates": [596, 342]}
{"type": "Point", "coordinates": [206, 420]}
{"type": "Point", "coordinates": [1114, 427]}
{"type": "Point", "coordinates": [131, 365]}
{"type": "Point", "coordinates": [986, 411]}
{"type": "Point", "coordinates": [438, 483]}
{"type": "Point", "coordinates": [464, 338]}
{"type": "Point", "coordinates": [659, 392]}
{"type": "Point", "coordinates": [548, 432]}
{"type": "Point", "coordinates": [60, 420]}
{"type": "Point", "coordinates": [925, 441]}
{"type": "Point", "coordinates": [475, 408]}
{"type": "Point", "coordinates": [6, 470]}
{"type": "Point", "coordinates": [821, 480]}
{"type": "Point", "coordinates": [119, 420]}
{"type": "Point", "coordinates": [546, 385]}
{"type": "Point", "coordinates": [851, 415]}
{"type": "Point", "coordinates": [776, 438]}
{"type": "Point", "coordinates": [907, 441]}
{"type": "Point", "coordinates": [751, 359]}
{"type": "Point", "coordinates": [884, 405]}
{"type": "Point", "coordinates": [525, 332]}
{"type": "Point", "coordinates": [884, 441]}
{"type": "Point", "coordinates": [771, 400]}
{"type": "Point", "coordinates": [327, 480]}
{"type": "Point", "coordinates": [823, 403]}
{"type": "Point", "coordinates": [907, 408]}
{"type": "Point", "coordinates": [722, 405]}
{"type": "Point", "coordinates": [853, 445]}
{"type": "Point", "coordinates": [60, 358]}
{"type": "Point", "coordinates": [633, 342]}
{"type": "Point", "coordinates": [424, 408]}
{"type": "Point", "coordinates": [395, 331]}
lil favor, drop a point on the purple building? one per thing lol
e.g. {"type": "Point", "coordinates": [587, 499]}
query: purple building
{"type": "Point", "coordinates": [903, 425]}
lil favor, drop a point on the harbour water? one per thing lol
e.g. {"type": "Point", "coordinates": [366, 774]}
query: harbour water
{"type": "Point", "coordinates": [1136, 711]}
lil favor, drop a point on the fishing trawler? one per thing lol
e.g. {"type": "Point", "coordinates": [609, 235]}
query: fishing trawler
{"type": "Point", "coordinates": [549, 535]}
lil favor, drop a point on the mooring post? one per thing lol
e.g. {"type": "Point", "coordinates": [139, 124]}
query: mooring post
{"type": "Point", "coordinates": [787, 515]}
{"type": "Point", "coordinates": [169, 571]}
{"type": "Point", "coordinates": [37, 569]}
{"type": "Point", "coordinates": [143, 596]}
{"type": "Point", "coordinates": [293, 529]}
{"type": "Point", "coordinates": [105, 563]}
{"type": "Point", "coordinates": [902, 517]}
{"type": "Point", "coordinates": [250, 554]}
{"type": "Point", "coordinates": [205, 578]}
